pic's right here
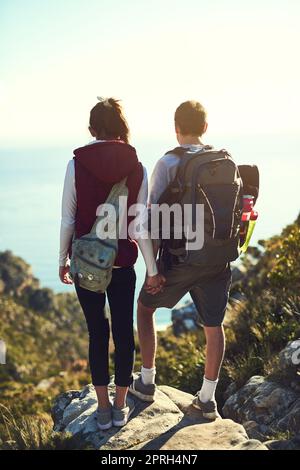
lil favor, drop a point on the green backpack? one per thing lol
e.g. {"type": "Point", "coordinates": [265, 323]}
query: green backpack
{"type": "Point", "coordinates": [92, 257]}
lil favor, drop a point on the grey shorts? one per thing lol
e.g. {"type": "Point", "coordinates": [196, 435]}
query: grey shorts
{"type": "Point", "coordinates": [209, 288]}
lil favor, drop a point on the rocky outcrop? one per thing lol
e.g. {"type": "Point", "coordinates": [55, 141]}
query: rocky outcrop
{"type": "Point", "coordinates": [168, 423]}
{"type": "Point", "coordinates": [284, 444]}
{"type": "Point", "coordinates": [289, 357]}
{"type": "Point", "coordinates": [266, 407]}
{"type": "Point", "coordinates": [267, 403]}
{"type": "Point", "coordinates": [15, 274]}
{"type": "Point", "coordinates": [184, 318]}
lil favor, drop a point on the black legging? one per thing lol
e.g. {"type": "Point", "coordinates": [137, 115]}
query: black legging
{"type": "Point", "coordinates": [120, 293]}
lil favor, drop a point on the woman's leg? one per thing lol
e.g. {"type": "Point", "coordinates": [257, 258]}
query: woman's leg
{"type": "Point", "coordinates": [98, 327]}
{"type": "Point", "coordinates": [103, 397]}
{"type": "Point", "coordinates": [121, 300]}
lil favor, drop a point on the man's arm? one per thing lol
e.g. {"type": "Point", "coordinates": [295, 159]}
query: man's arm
{"type": "Point", "coordinates": [158, 182]}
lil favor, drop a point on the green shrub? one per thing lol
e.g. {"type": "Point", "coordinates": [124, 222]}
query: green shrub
{"type": "Point", "coordinates": [18, 432]}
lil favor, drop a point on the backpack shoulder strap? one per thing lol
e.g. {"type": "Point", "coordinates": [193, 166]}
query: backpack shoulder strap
{"type": "Point", "coordinates": [179, 151]}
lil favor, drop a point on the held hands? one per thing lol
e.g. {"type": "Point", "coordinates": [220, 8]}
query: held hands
{"type": "Point", "coordinates": [64, 275]}
{"type": "Point", "coordinates": [154, 284]}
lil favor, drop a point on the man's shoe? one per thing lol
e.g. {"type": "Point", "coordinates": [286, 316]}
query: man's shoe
{"type": "Point", "coordinates": [104, 419]}
{"type": "Point", "coordinates": [121, 416]}
{"type": "Point", "coordinates": [209, 409]}
{"type": "Point", "coordinates": [144, 392]}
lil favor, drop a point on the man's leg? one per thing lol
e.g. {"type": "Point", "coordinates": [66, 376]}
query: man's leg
{"type": "Point", "coordinates": [147, 335]}
{"type": "Point", "coordinates": [144, 386]}
{"type": "Point", "coordinates": [148, 342]}
{"type": "Point", "coordinates": [211, 297]}
{"type": "Point", "coordinates": [176, 286]}
{"type": "Point", "coordinates": [215, 348]}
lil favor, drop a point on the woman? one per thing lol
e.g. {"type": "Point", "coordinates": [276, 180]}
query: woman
{"type": "Point", "coordinates": [89, 178]}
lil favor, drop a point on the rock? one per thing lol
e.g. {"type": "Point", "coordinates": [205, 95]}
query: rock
{"type": "Point", "coordinates": [270, 405]}
{"type": "Point", "coordinates": [60, 404]}
{"type": "Point", "coordinates": [285, 444]}
{"type": "Point", "coordinates": [78, 418]}
{"type": "Point", "coordinates": [168, 423]}
{"type": "Point", "coordinates": [185, 318]}
{"type": "Point", "coordinates": [295, 384]}
{"type": "Point", "coordinates": [232, 405]}
{"type": "Point", "coordinates": [291, 420]}
{"type": "Point", "coordinates": [289, 357]}
{"type": "Point", "coordinates": [181, 399]}
{"type": "Point", "coordinates": [238, 273]}
{"type": "Point", "coordinates": [230, 390]}
{"type": "Point", "coordinates": [253, 430]}
{"type": "Point", "coordinates": [41, 300]}
{"type": "Point", "coordinates": [223, 434]}
{"type": "Point", "coordinates": [45, 384]}
{"type": "Point", "coordinates": [15, 274]}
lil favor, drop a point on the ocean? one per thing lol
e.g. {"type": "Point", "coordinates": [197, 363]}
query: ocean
{"type": "Point", "coordinates": [31, 182]}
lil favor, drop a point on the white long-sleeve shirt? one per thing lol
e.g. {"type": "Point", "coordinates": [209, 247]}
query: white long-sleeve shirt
{"type": "Point", "coordinates": [68, 214]}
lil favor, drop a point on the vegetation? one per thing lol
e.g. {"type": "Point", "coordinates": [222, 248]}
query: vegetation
{"type": "Point", "coordinates": [47, 349]}
{"type": "Point", "coordinates": [47, 340]}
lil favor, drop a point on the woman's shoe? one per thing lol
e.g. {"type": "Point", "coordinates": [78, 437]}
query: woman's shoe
{"type": "Point", "coordinates": [104, 418]}
{"type": "Point", "coordinates": [121, 416]}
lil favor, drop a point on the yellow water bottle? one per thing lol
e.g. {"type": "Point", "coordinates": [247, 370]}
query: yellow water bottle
{"type": "Point", "coordinates": [248, 223]}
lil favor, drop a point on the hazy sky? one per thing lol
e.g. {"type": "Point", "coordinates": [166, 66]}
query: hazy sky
{"type": "Point", "coordinates": [239, 58]}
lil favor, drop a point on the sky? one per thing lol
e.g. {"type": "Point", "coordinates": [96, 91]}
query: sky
{"type": "Point", "coordinates": [238, 58]}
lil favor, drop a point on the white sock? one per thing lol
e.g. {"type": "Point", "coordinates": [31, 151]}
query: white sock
{"type": "Point", "coordinates": [208, 389]}
{"type": "Point", "coordinates": [148, 375]}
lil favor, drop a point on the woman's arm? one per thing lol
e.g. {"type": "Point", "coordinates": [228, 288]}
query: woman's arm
{"type": "Point", "coordinates": [68, 213]}
{"type": "Point", "coordinates": [142, 236]}
{"type": "Point", "coordinates": [154, 280]}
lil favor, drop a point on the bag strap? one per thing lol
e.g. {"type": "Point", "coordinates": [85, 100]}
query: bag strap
{"type": "Point", "coordinates": [179, 151]}
{"type": "Point", "coordinates": [118, 189]}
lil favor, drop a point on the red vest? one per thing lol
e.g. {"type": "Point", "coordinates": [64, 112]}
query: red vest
{"type": "Point", "coordinates": [98, 167]}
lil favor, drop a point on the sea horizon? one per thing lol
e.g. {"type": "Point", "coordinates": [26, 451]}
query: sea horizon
{"type": "Point", "coordinates": [31, 183]}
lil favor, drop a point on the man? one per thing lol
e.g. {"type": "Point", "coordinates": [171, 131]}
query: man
{"type": "Point", "coordinates": [208, 286]}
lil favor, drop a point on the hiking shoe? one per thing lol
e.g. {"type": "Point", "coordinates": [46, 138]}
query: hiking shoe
{"type": "Point", "coordinates": [144, 392]}
{"type": "Point", "coordinates": [209, 409]}
{"type": "Point", "coordinates": [121, 416]}
{"type": "Point", "coordinates": [104, 418]}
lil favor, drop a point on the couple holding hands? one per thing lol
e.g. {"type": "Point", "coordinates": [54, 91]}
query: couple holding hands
{"type": "Point", "coordinates": [90, 177]}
